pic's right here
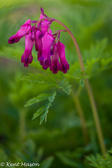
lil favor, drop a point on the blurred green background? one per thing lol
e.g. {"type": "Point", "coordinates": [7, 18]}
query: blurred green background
{"type": "Point", "coordinates": [59, 142]}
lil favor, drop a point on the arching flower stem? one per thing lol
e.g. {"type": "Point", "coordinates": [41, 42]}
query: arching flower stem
{"type": "Point", "coordinates": [89, 90]}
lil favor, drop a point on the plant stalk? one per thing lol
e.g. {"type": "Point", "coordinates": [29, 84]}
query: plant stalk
{"type": "Point", "coordinates": [81, 115]}
{"type": "Point", "coordinates": [89, 91]}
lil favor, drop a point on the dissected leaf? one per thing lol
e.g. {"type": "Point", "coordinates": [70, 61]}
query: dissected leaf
{"type": "Point", "coordinates": [39, 112]}
{"type": "Point", "coordinates": [43, 110]}
{"type": "Point", "coordinates": [44, 115]}
{"type": "Point", "coordinates": [99, 161]}
{"type": "Point", "coordinates": [37, 99]}
{"type": "Point", "coordinates": [52, 97]}
{"type": "Point", "coordinates": [65, 86]}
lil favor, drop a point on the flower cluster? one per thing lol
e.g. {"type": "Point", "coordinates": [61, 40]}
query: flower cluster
{"type": "Point", "coordinates": [51, 52]}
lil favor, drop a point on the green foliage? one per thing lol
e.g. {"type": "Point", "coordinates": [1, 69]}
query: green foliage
{"type": "Point", "coordinates": [65, 86]}
{"type": "Point", "coordinates": [67, 159]}
{"type": "Point", "coordinates": [43, 110]}
{"type": "Point", "coordinates": [97, 58]}
{"type": "Point", "coordinates": [47, 162]}
{"type": "Point", "coordinates": [19, 90]}
{"type": "Point", "coordinates": [47, 79]}
{"type": "Point", "coordinates": [54, 83]}
{"type": "Point", "coordinates": [37, 99]}
{"type": "Point", "coordinates": [3, 156]}
{"type": "Point", "coordinates": [99, 161]}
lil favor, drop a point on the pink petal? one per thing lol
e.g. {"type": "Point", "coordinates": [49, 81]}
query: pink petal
{"type": "Point", "coordinates": [64, 66]}
{"type": "Point", "coordinates": [47, 41]}
{"type": "Point", "coordinates": [55, 65]}
{"type": "Point", "coordinates": [38, 43]}
{"type": "Point", "coordinates": [43, 46]}
{"type": "Point", "coordinates": [27, 56]}
{"type": "Point", "coordinates": [25, 28]}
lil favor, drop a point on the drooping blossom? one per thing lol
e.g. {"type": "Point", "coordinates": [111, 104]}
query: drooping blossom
{"type": "Point", "coordinates": [43, 25]}
{"type": "Point", "coordinates": [27, 55]}
{"type": "Point", "coordinates": [25, 28]}
{"type": "Point", "coordinates": [55, 65]}
{"type": "Point", "coordinates": [59, 61]}
{"type": "Point", "coordinates": [44, 39]}
{"type": "Point", "coordinates": [44, 47]}
{"type": "Point", "coordinates": [64, 66]}
{"type": "Point", "coordinates": [51, 52]}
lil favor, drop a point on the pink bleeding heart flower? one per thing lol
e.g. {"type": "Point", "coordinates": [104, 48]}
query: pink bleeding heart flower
{"type": "Point", "coordinates": [55, 65]}
{"type": "Point", "coordinates": [59, 54]}
{"type": "Point", "coordinates": [27, 56]}
{"type": "Point", "coordinates": [47, 41]}
{"type": "Point", "coordinates": [64, 66]}
{"type": "Point", "coordinates": [25, 28]}
{"type": "Point", "coordinates": [43, 46]}
{"type": "Point", "coordinates": [51, 52]}
{"type": "Point", "coordinates": [33, 31]}
{"type": "Point", "coordinates": [38, 43]}
{"type": "Point", "coordinates": [43, 25]}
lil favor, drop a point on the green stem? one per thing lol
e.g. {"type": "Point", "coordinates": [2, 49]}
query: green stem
{"type": "Point", "coordinates": [96, 118]}
{"type": "Point", "coordinates": [89, 90]}
{"type": "Point", "coordinates": [81, 115]}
